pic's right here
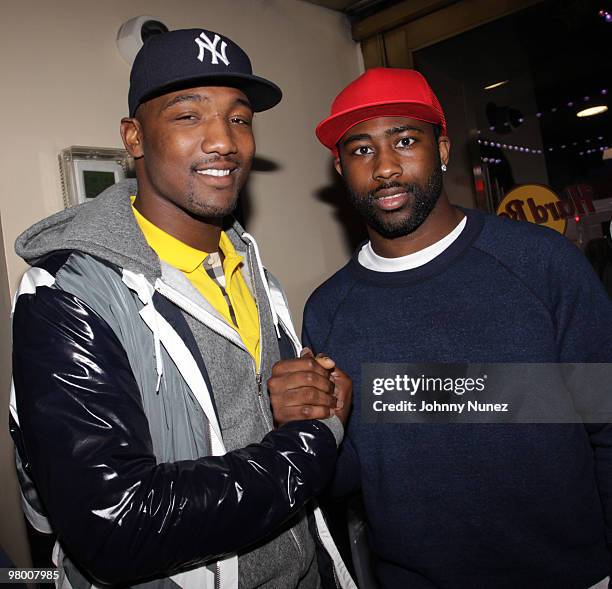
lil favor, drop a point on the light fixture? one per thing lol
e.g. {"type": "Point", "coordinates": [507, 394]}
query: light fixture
{"type": "Point", "coordinates": [496, 85]}
{"type": "Point", "coordinates": [593, 110]}
{"type": "Point", "coordinates": [134, 32]}
{"type": "Point", "coordinates": [606, 15]}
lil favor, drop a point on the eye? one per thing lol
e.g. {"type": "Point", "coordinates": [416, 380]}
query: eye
{"type": "Point", "coordinates": [405, 142]}
{"type": "Point", "coordinates": [363, 150]}
{"type": "Point", "coordinates": [186, 117]}
{"type": "Point", "coordinates": [240, 121]}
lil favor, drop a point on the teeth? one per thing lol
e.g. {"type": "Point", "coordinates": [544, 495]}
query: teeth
{"type": "Point", "coordinates": [214, 172]}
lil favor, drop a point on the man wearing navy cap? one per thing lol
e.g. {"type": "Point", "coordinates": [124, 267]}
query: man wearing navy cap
{"type": "Point", "coordinates": [458, 505]}
{"type": "Point", "coordinates": [148, 340]}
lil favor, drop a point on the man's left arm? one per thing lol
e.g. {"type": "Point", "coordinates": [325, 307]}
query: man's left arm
{"type": "Point", "coordinates": [583, 315]}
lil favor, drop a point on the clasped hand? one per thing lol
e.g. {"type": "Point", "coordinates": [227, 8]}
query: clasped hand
{"type": "Point", "coordinates": [309, 387]}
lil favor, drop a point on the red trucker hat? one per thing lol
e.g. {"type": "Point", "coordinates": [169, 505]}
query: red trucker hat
{"type": "Point", "coordinates": [381, 92]}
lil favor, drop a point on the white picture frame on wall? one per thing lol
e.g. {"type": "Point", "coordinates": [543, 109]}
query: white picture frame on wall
{"type": "Point", "coordinates": [86, 171]}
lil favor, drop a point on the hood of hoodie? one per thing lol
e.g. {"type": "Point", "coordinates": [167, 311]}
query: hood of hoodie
{"type": "Point", "coordinates": [105, 228]}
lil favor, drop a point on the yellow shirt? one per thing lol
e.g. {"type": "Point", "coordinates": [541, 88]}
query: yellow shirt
{"type": "Point", "coordinates": [189, 261]}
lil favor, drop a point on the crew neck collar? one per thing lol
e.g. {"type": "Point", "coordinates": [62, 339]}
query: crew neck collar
{"type": "Point", "coordinates": [368, 258]}
{"type": "Point", "coordinates": [474, 221]}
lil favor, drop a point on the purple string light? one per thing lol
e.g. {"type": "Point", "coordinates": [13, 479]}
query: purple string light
{"type": "Point", "coordinates": [536, 151]}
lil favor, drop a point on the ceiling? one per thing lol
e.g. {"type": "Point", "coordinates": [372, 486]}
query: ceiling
{"type": "Point", "coordinates": [355, 8]}
{"type": "Point", "coordinates": [340, 5]}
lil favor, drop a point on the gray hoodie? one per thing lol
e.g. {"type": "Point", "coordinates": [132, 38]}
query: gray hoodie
{"type": "Point", "coordinates": [111, 261]}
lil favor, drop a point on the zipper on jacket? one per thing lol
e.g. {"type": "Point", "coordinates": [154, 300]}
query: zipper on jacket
{"type": "Point", "coordinates": [190, 307]}
{"type": "Point", "coordinates": [258, 378]}
{"type": "Point", "coordinates": [270, 426]}
{"type": "Point", "coordinates": [217, 575]}
{"type": "Point", "coordinates": [258, 375]}
{"type": "Point", "coordinates": [209, 434]}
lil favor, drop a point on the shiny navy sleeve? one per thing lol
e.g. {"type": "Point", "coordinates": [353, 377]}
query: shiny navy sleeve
{"type": "Point", "coordinates": [119, 514]}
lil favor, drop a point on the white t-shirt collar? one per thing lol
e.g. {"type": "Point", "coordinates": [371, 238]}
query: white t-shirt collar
{"type": "Point", "coordinates": [371, 260]}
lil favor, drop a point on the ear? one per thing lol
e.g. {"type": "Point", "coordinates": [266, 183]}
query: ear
{"type": "Point", "coordinates": [131, 133]}
{"type": "Point", "coordinates": [444, 149]}
{"type": "Point", "coordinates": [338, 165]}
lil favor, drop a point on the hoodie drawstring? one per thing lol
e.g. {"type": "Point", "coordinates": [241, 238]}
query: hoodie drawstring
{"type": "Point", "coordinates": [159, 363]}
{"type": "Point", "coordinates": [145, 292]}
{"type": "Point", "coordinates": [264, 280]}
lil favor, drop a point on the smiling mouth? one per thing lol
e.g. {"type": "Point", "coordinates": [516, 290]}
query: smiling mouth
{"type": "Point", "coordinates": [214, 172]}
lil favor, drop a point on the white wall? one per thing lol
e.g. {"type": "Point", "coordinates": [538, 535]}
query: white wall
{"type": "Point", "coordinates": [64, 83]}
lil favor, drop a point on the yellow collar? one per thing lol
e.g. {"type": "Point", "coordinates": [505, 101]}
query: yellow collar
{"type": "Point", "coordinates": [179, 254]}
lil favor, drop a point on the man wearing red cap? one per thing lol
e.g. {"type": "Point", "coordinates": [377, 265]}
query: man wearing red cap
{"type": "Point", "coordinates": [458, 505]}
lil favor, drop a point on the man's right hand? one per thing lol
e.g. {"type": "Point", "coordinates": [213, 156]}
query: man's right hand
{"type": "Point", "coordinates": [309, 388]}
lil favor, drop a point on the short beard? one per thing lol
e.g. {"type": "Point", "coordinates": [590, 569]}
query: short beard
{"type": "Point", "coordinates": [204, 211]}
{"type": "Point", "coordinates": [424, 199]}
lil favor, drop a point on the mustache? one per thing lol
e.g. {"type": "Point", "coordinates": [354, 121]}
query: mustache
{"type": "Point", "coordinates": [410, 188]}
{"type": "Point", "coordinates": [232, 159]}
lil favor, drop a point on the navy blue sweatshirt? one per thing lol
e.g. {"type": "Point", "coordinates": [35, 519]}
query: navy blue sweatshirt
{"type": "Point", "coordinates": [468, 506]}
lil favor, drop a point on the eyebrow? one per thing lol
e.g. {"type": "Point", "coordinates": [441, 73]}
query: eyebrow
{"type": "Point", "coordinates": [388, 133]}
{"type": "Point", "coordinates": [199, 98]}
{"type": "Point", "coordinates": [183, 98]}
{"type": "Point", "coordinates": [359, 137]}
{"type": "Point", "coordinates": [397, 130]}
{"type": "Point", "coordinates": [244, 102]}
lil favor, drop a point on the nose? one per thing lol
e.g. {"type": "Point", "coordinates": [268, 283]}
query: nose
{"type": "Point", "coordinates": [386, 165]}
{"type": "Point", "coordinates": [218, 137]}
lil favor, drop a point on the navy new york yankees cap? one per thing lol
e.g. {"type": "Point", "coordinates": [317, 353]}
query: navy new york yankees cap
{"type": "Point", "coordinates": [194, 57]}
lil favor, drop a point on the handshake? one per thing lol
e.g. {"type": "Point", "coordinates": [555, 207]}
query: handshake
{"type": "Point", "coordinates": [309, 387]}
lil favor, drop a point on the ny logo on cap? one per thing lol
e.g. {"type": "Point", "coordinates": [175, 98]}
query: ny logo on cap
{"type": "Point", "coordinates": [206, 44]}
